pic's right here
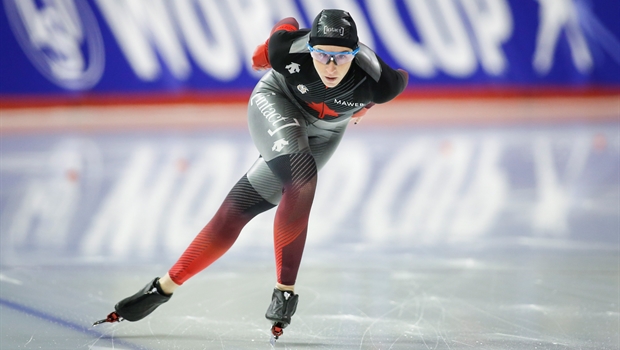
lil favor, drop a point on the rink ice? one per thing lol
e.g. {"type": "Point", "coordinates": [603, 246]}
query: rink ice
{"type": "Point", "coordinates": [511, 299]}
{"type": "Point", "coordinates": [440, 238]}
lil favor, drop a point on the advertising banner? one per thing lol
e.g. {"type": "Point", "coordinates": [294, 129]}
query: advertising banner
{"type": "Point", "coordinates": [78, 47]}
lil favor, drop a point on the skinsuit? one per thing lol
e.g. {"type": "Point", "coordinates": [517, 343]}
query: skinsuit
{"type": "Point", "coordinates": [296, 122]}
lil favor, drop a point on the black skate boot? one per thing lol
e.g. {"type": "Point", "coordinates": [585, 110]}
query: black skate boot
{"type": "Point", "coordinates": [282, 308]}
{"type": "Point", "coordinates": [139, 305]}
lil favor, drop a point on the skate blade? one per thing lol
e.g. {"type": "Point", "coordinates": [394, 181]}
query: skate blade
{"type": "Point", "coordinates": [276, 332]}
{"type": "Point", "coordinates": [112, 317]}
{"type": "Point", "coordinates": [273, 340]}
{"type": "Point", "coordinates": [99, 322]}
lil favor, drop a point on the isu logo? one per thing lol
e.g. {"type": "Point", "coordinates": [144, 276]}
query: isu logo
{"type": "Point", "coordinates": [60, 38]}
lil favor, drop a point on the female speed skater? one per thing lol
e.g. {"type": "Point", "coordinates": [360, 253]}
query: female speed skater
{"type": "Point", "coordinates": [321, 79]}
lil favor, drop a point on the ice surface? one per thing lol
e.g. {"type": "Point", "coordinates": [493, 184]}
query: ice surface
{"type": "Point", "coordinates": [464, 238]}
{"type": "Point", "coordinates": [518, 299]}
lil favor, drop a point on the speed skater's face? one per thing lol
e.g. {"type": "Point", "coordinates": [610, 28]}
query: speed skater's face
{"type": "Point", "coordinates": [331, 74]}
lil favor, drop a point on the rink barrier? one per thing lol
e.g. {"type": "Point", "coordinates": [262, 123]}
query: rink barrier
{"type": "Point", "coordinates": [437, 111]}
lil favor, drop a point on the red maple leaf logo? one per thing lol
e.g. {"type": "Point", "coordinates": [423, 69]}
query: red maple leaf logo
{"type": "Point", "coordinates": [323, 109]}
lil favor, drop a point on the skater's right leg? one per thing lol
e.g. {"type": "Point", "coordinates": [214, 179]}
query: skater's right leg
{"type": "Point", "coordinates": [167, 284]}
{"type": "Point", "coordinates": [141, 304]}
{"type": "Point", "coordinates": [239, 207]}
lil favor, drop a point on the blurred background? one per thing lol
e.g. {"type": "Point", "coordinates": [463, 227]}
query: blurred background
{"type": "Point", "coordinates": [122, 127]}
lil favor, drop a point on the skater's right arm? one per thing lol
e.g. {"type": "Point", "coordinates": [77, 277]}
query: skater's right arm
{"type": "Point", "coordinates": [260, 58]}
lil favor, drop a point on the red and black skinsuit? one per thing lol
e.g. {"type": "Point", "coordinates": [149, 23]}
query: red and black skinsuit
{"type": "Point", "coordinates": [296, 124]}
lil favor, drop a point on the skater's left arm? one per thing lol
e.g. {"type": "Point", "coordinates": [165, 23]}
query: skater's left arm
{"type": "Point", "coordinates": [391, 83]}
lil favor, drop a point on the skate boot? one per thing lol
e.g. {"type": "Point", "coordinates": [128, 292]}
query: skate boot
{"type": "Point", "coordinates": [282, 308]}
{"type": "Point", "coordinates": [139, 305]}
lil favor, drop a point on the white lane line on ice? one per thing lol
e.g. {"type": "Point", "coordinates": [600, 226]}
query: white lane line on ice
{"type": "Point", "coordinates": [7, 279]}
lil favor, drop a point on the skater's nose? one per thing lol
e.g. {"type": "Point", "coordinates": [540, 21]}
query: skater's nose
{"type": "Point", "coordinates": [331, 67]}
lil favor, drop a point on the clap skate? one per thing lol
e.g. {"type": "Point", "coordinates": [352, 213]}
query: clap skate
{"type": "Point", "coordinates": [139, 305]}
{"type": "Point", "coordinates": [282, 308]}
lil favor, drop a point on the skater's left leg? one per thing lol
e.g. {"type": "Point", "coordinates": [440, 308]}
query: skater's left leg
{"type": "Point", "coordinates": [285, 288]}
{"type": "Point", "coordinates": [322, 143]}
{"type": "Point", "coordinates": [298, 173]}
{"type": "Point", "coordinates": [293, 150]}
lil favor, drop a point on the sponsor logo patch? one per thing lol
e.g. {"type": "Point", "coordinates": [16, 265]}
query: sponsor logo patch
{"type": "Point", "coordinates": [293, 67]}
{"type": "Point", "coordinates": [348, 103]}
{"type": "Point", "coordinates": [333, 30]}
{"type": "Point", "coordinates": [279, 145]}
{"type": "Point", "coordinates": [268, 110]}
{"type": "Point", "coordinates": [302, 88]}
